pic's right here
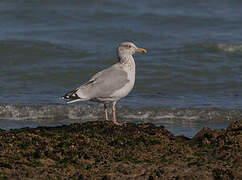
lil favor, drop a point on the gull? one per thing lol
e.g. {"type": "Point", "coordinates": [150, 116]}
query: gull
{"type": "Point", "coordinates": [111, 84]}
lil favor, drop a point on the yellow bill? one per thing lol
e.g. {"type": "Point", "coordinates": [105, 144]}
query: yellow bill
{"type": "Point", "coordinates": [141, 50]}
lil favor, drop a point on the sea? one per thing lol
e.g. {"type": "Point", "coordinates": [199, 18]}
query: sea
{"type": "Point", "coordinates": [190, 78]}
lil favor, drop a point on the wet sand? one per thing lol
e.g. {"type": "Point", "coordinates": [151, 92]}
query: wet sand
{"type": "Point", "coordinates": [101, 150]}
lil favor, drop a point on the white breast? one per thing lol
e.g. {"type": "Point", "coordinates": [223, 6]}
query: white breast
{"type": "Point", "coordinates": [124, 91]}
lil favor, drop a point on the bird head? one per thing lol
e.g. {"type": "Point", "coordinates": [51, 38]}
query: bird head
{"type": "Point", "coordinates": [126, 49]}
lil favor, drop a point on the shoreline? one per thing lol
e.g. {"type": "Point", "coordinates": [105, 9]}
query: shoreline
{"type": "Point", "coordinates": [101, 150]}
{"type": "Point", "coordinates": [187, 121]}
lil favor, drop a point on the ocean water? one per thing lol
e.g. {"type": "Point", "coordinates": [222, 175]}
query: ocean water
{"type": "Point", "coordinates": [193, 63]}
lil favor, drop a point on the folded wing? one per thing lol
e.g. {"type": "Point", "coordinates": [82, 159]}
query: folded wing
{"type": "Point", "coordinates": [102, 85]}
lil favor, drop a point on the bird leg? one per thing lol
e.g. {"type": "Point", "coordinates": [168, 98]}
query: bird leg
{"type": "Point", "coordinates": [106, 112]}
{"type": "Point", "coordinates": [114, 115]}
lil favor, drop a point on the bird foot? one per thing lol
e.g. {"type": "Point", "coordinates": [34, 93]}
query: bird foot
{"type": "Point", "coordinates": [119, 124]}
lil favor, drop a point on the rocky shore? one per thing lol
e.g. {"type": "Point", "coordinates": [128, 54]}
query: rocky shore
{"type": "Point", "coordinates": [101, 150]}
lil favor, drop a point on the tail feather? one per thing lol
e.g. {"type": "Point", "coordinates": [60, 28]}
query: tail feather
{"type": "Point", "coordinates": [75, 100]}
{"type": "Point", "coordinates": [73, 97]}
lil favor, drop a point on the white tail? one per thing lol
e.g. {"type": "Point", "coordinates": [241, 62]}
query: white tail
{"type": "Point", "coordinates": [76, 100]}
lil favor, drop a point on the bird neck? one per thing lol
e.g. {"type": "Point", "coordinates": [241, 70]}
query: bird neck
{"type": "Point", "coordinates": [126, 59]}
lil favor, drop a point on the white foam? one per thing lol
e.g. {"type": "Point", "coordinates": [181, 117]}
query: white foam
{"type": "Point", "coordinates": [230, 47]}
{"type": "Point", "coordinates": [143, 116]}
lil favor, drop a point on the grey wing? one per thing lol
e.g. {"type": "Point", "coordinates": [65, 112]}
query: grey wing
{"type": "Point", "coordinates": [104, 83]}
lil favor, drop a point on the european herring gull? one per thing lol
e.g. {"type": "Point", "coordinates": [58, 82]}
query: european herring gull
{"type": "Point", "coordinates": [111, 84]}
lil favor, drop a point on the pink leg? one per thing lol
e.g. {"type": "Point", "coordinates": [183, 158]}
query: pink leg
{"type": "Point", "coordinates": [114, 115]}
{"type": "Point", "coordinates": [106, 111]}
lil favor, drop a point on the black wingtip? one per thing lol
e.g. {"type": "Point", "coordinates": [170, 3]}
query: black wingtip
{"type": "Point", "coordinates": [70, 95]}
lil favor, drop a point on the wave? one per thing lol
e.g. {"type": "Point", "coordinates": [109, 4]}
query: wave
{"type": "Point", "coordinates": [230, 47]}
{"type": "Point", "coordinates": [37, 48]}
{"type": "Point", "coordinates": [186, 121]}
{"type": "Point", "coordinates": [94, 112]}
{"type": "Point", "coordinates": [226, 47]}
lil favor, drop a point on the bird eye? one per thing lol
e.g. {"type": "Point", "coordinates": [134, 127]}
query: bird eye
{"type": "Point", "coordinates": [129, 46]}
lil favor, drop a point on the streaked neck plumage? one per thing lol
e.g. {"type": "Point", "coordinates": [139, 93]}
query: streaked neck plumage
{"type": "Point", "coordinates": [127, 60]}
{"type": "Point", "coordinates": [124, 59]}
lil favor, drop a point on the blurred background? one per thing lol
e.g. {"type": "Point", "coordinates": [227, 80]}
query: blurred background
{"type": "Point", "coordinates": [50, 47]}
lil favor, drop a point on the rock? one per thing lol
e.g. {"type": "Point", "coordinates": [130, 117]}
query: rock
{"type": "Point", "coordinates": [101, 150]}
